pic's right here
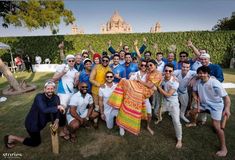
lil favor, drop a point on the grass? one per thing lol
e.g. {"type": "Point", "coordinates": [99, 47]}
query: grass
{"type": "Point", "coordinates": [198, 143]}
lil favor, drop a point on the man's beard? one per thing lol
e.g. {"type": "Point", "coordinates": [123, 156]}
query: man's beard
{"type": "Point", "coordinates": [49, 94]}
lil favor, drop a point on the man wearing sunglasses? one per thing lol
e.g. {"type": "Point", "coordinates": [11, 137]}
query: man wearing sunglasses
{"type": "Point", "coordinates": [97, 79]}
{"type": "Point", "coordinates": [107, 112]}
{"type": "Point", "coordinates": [67, 77]}
{"type": "Point", "coordinates": [80, 111]}
{"type": "Point", "coordinates": [184, 57]}
{"type": "Point", "coordinates": [168, 89]}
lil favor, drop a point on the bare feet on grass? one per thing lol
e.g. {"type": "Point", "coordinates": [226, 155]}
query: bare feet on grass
{"type": "Point", "coordinates": [222, 153]}
{"type": "Point", "coordinates": [179, 144]}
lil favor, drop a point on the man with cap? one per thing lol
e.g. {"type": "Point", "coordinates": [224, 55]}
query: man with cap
{"type": "Point", "coordinates": [67, 76]}
{"type": "Point", "coordinates": [215, 70]}
{"type": "Point", "coordinates": [96, 58]}
{"type": "Point", "coordinates": [85, 74]}
{"type": "Point", "coordinates": [45, 108]}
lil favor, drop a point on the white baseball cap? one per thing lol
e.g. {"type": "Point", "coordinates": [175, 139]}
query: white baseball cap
{"type": "Point", "coordinates": [70, 56]}
{"type": "Point", "coordinates": [205, 55]}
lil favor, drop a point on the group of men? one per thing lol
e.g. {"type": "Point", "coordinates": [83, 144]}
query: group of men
{"type": "Point", "coordinates": [85, 87]}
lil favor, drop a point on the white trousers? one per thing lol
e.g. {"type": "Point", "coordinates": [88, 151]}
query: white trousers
{"type": "Point", "coordinates": [174, 110]}
{"type": "Point", "coordinates": [183, 98]}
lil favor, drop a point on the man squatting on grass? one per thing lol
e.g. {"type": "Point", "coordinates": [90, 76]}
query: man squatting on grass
{"type": "Point", "coordinates": [46, 108]}
{"type": "Point", "coordinates": [211, 97]}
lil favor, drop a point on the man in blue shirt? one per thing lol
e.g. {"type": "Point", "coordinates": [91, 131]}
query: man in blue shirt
{"type": "Point", "coordinates": [129, 66]}
{"type": "Point", "coordinates": [46, 108]}
{"type": "Point", "coordinates": [85, 74]}
{"type": "Point", "coordinates": [170, 59]}
{"type": "Point", "coordinates": [117, 69]}
{"type": "Point", "coordinates": [215, 69]}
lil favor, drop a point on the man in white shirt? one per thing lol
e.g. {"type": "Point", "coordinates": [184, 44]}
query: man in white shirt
{"type": "Point", "coordinates": [67, 77]}
{"type": "Point", "coordinates": [168, 89]}
{"type": "Point", "coordinates": [211, 97]}
{"type": "Point", "coordinates": [81, 110]}
{"type": "Point", "coordinates": [107, 112]}
{"type": "Point", "coordinates": [185, 75]}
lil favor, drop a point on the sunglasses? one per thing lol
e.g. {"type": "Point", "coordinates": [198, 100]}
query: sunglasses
{"type": "Point", "coordinates": [143, 65]}
{"type": "Point", "coordinates": [182, 56]}
{"type": "Point", "coordinates": [71, 61]}
{"type": "Point", "coordinates": [84, 87]}
{"type": "Point", "coordinates": [109, 76]}
{"type": "Point", "coordinates": [85, 56]}
{"type": "Point", "coordinates": [105, 60]}
{"type": "Point", "coordinates": [150, 65]}
{"type": "Point", "coordinates": [168, 71]}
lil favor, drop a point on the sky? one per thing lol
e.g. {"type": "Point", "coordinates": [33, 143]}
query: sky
{"type": "Point", "coordinates": [173, 15]}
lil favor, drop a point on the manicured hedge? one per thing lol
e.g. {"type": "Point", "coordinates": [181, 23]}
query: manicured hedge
{"type": "Point", "coordinates": [218, 44]}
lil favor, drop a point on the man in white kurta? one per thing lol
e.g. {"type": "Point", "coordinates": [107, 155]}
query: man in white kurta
{"type": "Point", "coordinates": [107, 112]}
{"type": "Point", "coordinates": [184, 76]}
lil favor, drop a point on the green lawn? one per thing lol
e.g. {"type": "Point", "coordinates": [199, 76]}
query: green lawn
{"type": "Point", "coordinates": [199, 143]}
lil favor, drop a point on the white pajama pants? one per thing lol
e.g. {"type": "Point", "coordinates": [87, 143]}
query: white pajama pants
{"type": "Point", "coordinates": [174, 110]}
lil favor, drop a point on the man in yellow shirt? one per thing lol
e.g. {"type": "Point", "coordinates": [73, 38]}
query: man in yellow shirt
{"type": "Point", "coordinates": [97, 78]}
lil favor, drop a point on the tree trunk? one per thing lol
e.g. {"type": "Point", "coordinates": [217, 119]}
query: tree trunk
{"type": "Point", "coordinates": [10, 78]}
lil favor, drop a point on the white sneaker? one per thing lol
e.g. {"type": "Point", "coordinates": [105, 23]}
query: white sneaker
{"type": "Point", "coordinates": [121, 131]}
{"type": "Point", "coordinates": [184, 118]}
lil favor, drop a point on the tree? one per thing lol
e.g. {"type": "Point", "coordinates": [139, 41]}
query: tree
{"type": "Point", "coordinates": [34, 14]}
{"type": "Point", "coordinates": [225, 24]}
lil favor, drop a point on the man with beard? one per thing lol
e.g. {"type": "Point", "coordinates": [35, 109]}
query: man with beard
{"type": "Point", "coordinates": [80, 111]}
{"type": "Point", "coordinates": [97, 79]}
{"type": "Point", "coordinates": [117, 68]}
{"type": "Point", "coordinates": [129, 66]}
{"type": "Point", "coordinates": [46, 108]}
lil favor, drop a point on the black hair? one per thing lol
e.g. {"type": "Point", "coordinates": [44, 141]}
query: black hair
{"type": "Point", "coordinates": [183, 52]}
{"type": "Point", "coordinates": [204, 69]}
{"type": "Point", "coordinates": [124, 46]}
{"type": "Point", "coordinates": [104, 53]}
{"type": "Point", "coordinates": [169, 65]}
{"type": "Point", "coordinates": [159, 53]}
{"type": "Point", "coordinates": [127, 54]}
{"type": "Point", "coordinates": [148, 52]}
{"type": "Point", "coordinates": [108, 73]}
{"type": "Point", "coordinates": [116, 55]}
{"type": "Point", "coordinates": [187, 62]}
{"type": "Point", "coordinates": [152, 61]}
{"type": "Point", "coordinates": [105, 56]}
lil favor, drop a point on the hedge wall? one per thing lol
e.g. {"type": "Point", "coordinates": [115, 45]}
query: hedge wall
{"type": "Point", "coordinates": [218, 44]}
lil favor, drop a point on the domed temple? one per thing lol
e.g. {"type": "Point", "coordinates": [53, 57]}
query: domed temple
{"type": "Point", "coordinates": [116, 24]}
{"type": "Point", "coordinates": [156, 28]}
